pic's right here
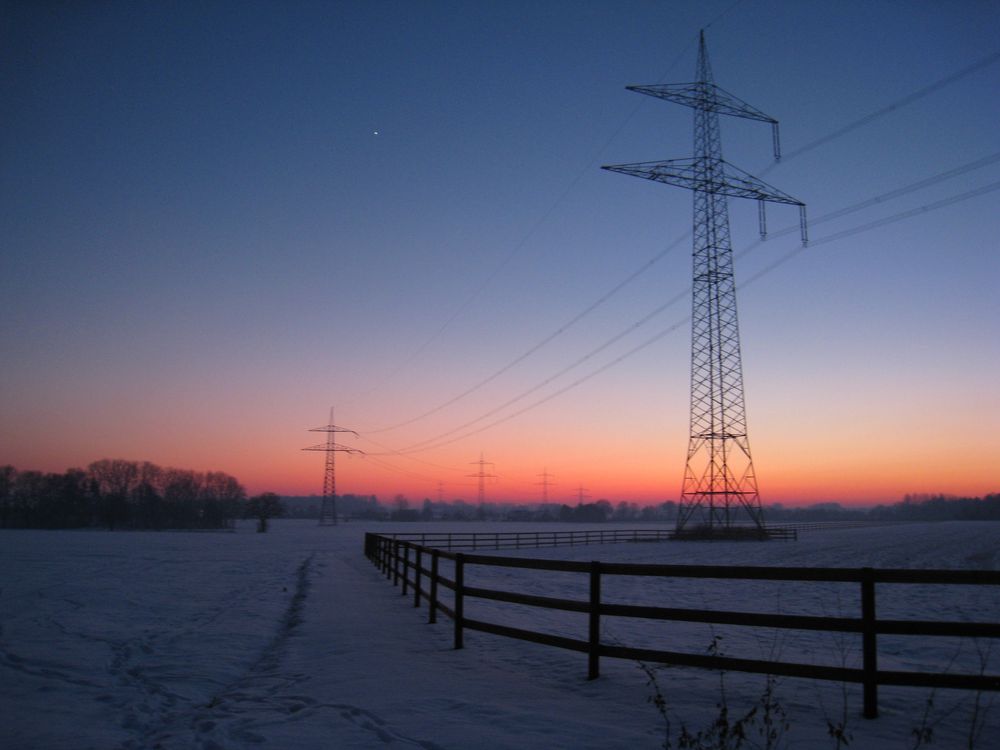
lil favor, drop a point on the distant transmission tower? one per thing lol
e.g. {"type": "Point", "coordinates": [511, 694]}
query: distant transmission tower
{"type": "Point", "coordinates": [719, 475]}
{"type": "Point", "coordinates": [545, 484]}
{"type": "Point", "coordinates": [581, 494]}
{"type": "Point", "coordinates": [482, 476]}
{"type": "Point", "coordinates": [328, 510]}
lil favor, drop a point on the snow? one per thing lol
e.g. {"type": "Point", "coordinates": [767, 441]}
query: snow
{"type": "Point", "coordinates": [293, 639]}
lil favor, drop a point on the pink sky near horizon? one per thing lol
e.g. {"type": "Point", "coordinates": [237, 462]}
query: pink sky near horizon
{"type": "Point", "coordinates": [221, 220]}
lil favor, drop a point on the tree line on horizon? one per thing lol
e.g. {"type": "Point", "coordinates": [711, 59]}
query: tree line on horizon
{"type": "Point", "coordinates": [913, 507]}
{"type": "Point", "coordinates": [123, 494]}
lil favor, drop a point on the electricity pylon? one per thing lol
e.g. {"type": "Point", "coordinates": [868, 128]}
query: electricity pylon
{"type": "Point", "coordinates": [482, 476]}
{"type": "Point", "coordinates": [719, 475]}
{"type": "Point", "coordinates": [545, 484]}
{"type": "Point", "coordinates": [328, 510]}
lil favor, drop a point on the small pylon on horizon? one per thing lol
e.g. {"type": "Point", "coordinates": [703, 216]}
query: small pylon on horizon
{"type": "Point", "coordinates": [328, 508]}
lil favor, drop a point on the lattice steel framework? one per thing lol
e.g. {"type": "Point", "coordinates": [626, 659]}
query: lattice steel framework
{"type": "Point", "coordinates": [545, 483]}
{"type": "Point", "coordinates": [328, 509]}
{"type": "Point", "coordinates": [482, 475]}
{"type": "Point", "coordinates": [719, 475]}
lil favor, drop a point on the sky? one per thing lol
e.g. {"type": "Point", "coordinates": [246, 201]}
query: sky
{"type": "Point", "coordinates": [219, 220]}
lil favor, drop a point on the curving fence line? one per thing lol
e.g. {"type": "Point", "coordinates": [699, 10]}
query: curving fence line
{"type": "Point", "coordinates": [497, 540]}
{"type": "Point", "coordinates": [416, 567]}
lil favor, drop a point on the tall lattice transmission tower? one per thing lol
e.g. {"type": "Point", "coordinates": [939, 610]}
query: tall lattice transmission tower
{"type": "Point", "coordinates": [719, 478]}
{"type": "Point", "coordinates": [328, 509]}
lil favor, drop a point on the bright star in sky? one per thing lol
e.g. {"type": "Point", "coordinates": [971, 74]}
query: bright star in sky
{"type": "Point", "coordinates": [129, 327]}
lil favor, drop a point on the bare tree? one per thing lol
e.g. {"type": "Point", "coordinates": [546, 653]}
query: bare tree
{"type": "Point", "coordinates": [116, 478]}
{"type": "Point", "coordinates": [264, 507]}
{"type": "Point", "coordinates": [8, 478]}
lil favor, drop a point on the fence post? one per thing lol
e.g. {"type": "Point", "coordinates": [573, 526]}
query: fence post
{"type": "Point", "coordinates": [433, 606]}
{"type": "Point", "coordinates": [387, 558]}
{"type": "Point", "coordinates": [869, 650]}
{"type": "Point", "coordinates": [416, 580]}
{"type": "Point", "coordinates": [395, 562]}
{"type": "Point", "coordinates": [593, 653]}
{"type": "Point", "coordinates": [406, 567]}
{"type": "Point", "coordinates": [459, 597]}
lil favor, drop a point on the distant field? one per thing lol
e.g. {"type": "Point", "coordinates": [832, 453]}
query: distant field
{"type": "Point", "coordinates": [291, 638]}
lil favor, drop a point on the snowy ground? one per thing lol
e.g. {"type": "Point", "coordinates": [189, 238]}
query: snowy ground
{"type": "Point", "coordinates": [293, 640]}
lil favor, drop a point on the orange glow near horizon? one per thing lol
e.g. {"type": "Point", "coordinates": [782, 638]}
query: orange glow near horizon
{"type": "Point", "coordinates": [837, 467]}
{"type": "Point", "coordinates": [176, 294]}
{"type": "Point", "coordinates": [841, 468]}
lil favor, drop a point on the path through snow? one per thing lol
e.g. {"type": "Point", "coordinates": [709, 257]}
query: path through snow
{"type": "Point", "coordinates": [293, 639]}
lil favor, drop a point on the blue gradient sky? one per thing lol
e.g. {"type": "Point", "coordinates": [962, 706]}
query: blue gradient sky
{"type": "Point", "coordinates": [219, 219]}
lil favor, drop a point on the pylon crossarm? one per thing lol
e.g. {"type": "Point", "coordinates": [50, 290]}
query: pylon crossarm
{"type": "Point", "coordinates": [333, 447]}
{"type": "Point", "coordinates": [753, 187]}
{"type": "Point", "coordinates": [678, 172]}
{"type": "Point", "coordinates": [706, 96]}
{"type": "Point", "coordinates": [333, 428]}
{"type": "Point", "coordinates": [692, 174]}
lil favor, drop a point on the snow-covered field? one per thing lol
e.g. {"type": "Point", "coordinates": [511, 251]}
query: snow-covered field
{"type": "Point", "coordinates": [292, 639]}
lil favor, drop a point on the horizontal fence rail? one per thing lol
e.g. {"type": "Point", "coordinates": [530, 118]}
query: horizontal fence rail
{"type": "Point", "coordinates": [414, 563]}
{"type": "Point", "coordinates": [498, 540]}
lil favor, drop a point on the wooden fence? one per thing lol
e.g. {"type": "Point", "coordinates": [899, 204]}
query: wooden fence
{"type": "Point", "coordinates": [498, 540]}
{"type": "Point", "coordinates": [405, 563]}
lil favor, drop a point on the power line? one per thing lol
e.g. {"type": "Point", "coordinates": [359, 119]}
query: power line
{"type": "Point", "coordinates": [722, 15]}
{"type": "Point", "coordinates": [578, 382]}
{"type": "Point", "coordinates": [901, 216]}
{"type": "Point", "coordinates": [558, 332]}
{"type": "Point", "coordinates": [524, 240]}
{"type": "Point", "coordinates": [877, 199]}
{"type": "Point", "coordinates": [904, 101]}
{"type": "Point", "coordinates": [589, 355]}
{"type": "Point", "coordinates": [680, 296]}
{"type": "Point", "coordinates": [392, 452]}
{"type": "Point", "coordinates": [894, 218]}
{"type": "Point", "coordinates": [944, 202]}
{"type": "Point", "coordinates": [391, 467]}
{"type": "Point", "coordinates": [850, 127]}
{"type": "Point", "coordinates": [908, 99]}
